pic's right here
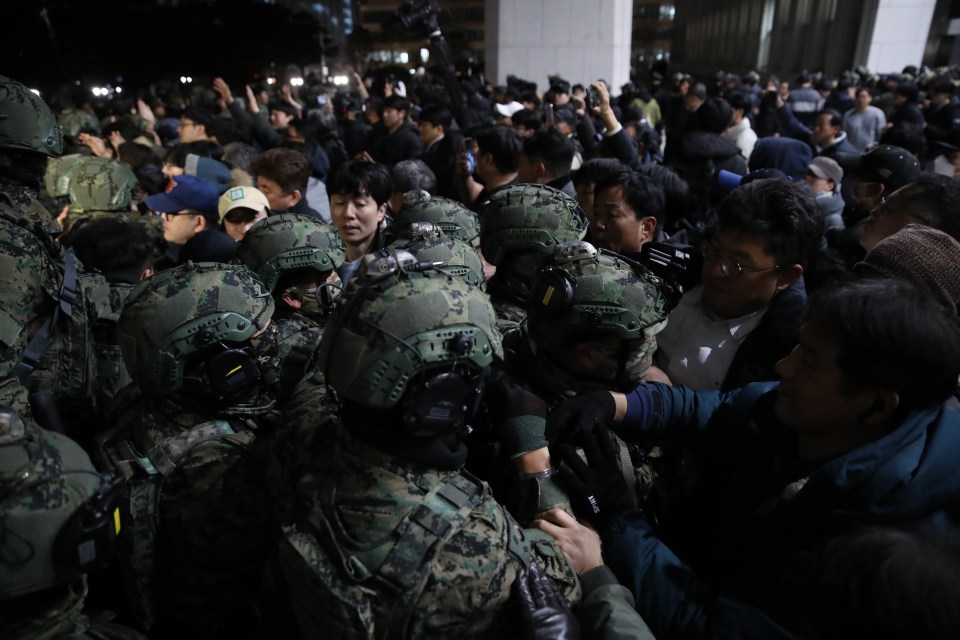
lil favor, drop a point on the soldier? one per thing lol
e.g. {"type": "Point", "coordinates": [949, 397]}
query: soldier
{"type": "Point", "coordinates": [59, 522]}
{"type": "Point", "coordinates": [519, 226]}
{"type": "Point", "coordinates": [56, 184]}
{"type": "Point", "coordinates": [295, 255]}
{"type": "Point", "coordinates": [192, 451]}
{"type": "Point", "coordinates": [393, 540]}
{"type": "Point", "coordinates": [454, 219]}
{"type": "Point", "coordinates": [100, 187]}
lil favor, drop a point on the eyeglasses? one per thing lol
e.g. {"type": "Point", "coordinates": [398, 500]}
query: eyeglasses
{"type": "Point", "coordinates": [730, 267]}
{"type": "Point", "coordinates": [174, 214]}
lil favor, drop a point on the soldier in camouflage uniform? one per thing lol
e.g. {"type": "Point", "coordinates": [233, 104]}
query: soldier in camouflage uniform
{"type": "Point", "coordinates": [392, 540]}
{"type": "Point", "coordinates": [195, 451]}
{"type": "Point", "coordinates": [47, 488]}
{"type": "Point", "coordinates": [519, 226]}
{"type": "Point", "coordinates": [55, 193]}
{"type": "Point", "coordinates": [295, 255]}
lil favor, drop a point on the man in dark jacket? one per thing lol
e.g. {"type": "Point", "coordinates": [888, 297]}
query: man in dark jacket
{"type": "Point", "coordinates": [861, 431]}
{"type": "Point", "coordinates": [399, 140]}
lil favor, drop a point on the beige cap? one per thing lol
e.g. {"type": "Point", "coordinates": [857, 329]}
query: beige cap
{"type": "Point", "coordinates": [246, 197]}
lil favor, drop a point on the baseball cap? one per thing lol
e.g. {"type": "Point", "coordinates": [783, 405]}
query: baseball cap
{"type": "Point", "coordinates": [826, 168]}
{"type": "Point", "coordinates": [246, 197]}
{"type": "Point", "coordinates": [891, 166]}
{"type": "Point", "coordinates": [507, 110]}
{"type": "Point", "coordinates": [186, 192]}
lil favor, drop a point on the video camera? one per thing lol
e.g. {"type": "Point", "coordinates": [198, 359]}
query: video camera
{"type": "Point", "coordinates": [411, 14]}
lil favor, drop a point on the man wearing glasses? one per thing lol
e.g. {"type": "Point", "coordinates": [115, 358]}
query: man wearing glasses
{"type": "Point", "coordinates": [189, 209]}
{"type": "Point", "coordinates": [747, 312]}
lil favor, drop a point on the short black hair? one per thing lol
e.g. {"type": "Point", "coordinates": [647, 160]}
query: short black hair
{"type": "Point", "coordinates": [358, 177]}
{"type": "Point", "coordinates": [643, 195]}
{"type": "Point", "coordinates": [737, 100]}
{"type": "Point", "coordinates": [528, 119]}
{"type": "Point", "coordinates": [553, 149]}
{"type": "Point", "coordinates": [678, 200]}
{"type": "Point", "coordinates": [909, 90]}
{"type": "Point", "coordinates": [396, 102]}
{"type": "Point", "coordinates": [118, 247]}
{"type": "Point", "coordinates": [437, 115]}
{"type": "Point", "coordinates": [597, 170]}
{"type": "Point", "coordinates": [501, 142]}
{"type": "Point", "coordinates": [941, 85]}
{"type": "Point", "coordinates": [836, 120]}
{"type": "Point", "coordinates": [935, 199]}
{"type": "Point", "coordinates": [891, 335]}
{"type": "Point", "coordinates": [781, 213]}
{"type": "Point", "coordinates": [199, 115]}
{"type": "Point", "coordinates": [714, 115]}
{"type": "Point", "coordinates": [289, 168]}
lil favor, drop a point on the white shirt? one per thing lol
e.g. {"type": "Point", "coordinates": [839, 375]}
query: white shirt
{"type": "Point", "coordinates": [696, 347]}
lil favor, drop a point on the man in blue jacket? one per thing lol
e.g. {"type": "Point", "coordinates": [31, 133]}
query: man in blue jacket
{"type": "Point", "coordinates": [861, 430]}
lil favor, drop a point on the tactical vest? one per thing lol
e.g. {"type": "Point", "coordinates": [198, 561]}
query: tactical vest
{"type": "Point", "coordinates": [76, 353]}
{"type": "Point", "coordinates": [137, 555]}
{"type": "Point", "coordinates": [336, 596]}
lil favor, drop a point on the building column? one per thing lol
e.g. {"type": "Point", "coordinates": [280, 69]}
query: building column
{"type": "Point", "coordinates": [580, 41]}
{"type": "Point", "coordinates": [900, 33]}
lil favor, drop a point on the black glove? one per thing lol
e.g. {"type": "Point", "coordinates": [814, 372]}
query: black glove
{"type": "Point", "coordinates": [580, 414]}
{"type": "Point", "coordinates": [597, 489]}
{"type": "Point", "coordinates": [519, 417]}
{"type": "Point", "coordinates": [543, 610]}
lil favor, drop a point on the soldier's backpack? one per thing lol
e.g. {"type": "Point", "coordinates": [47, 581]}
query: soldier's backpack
{"type": "Point", "coordinates": [337, 596]}
{"type": "Point", "coordinates": [144, 471]}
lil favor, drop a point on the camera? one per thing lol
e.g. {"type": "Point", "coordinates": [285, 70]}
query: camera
{"type": "Point", "coordinates": [409, 14]}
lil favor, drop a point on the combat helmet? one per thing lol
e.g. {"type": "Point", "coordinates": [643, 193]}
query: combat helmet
{"type": "Point", "coordinates": [528, 217]}
{"type": "Point", "coordinates": [582, 291]}
{"type": "Point", "coordinates": [26, 122]}
{"type": "Point", "coordinates": [59, 173]}
{"type": "Point", "coordinates": [195, 314]}
{"type": "Point", "coordinates": [428, 243]}
{"type": "Point", "coordinates": [101, 184]}
{"type": "Point", "coordinates": [73, 122]}
{"type": "Point", "coordinates": [59, 515]}
{"type": "Point", "coordinates": [452, 217]}
{"type": "Point", "coordinates": [395, 325]}
{"type": "Point", "coordinates": [282, 243]}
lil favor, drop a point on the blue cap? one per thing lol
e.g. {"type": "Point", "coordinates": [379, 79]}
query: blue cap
{"type": "Point", "coordinates": [186, 192]}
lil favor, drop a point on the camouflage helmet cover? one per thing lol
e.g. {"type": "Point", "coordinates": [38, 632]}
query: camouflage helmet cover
{"type": "Point", "coordinates": [26, 122]}
{"type": "Point", "coordinates": [101, 184]}
{"type": "Point", "coordinates": [183, 312]}
{"type": "Point", "coordinates": [394, 324]}
{"type": "Point", "coordinates": [286, 242]}
{"type": "Point", "coordinates": [455, 219]}
{"type": "Point", "coordinates": [59, 172]}
{"type": "Point", "coordinates": [605, 295]}
{"type": "Point", "coordinates": [532, 217]}
{"type": "Point", "coordinates": [44, 478]}
{"type": "Point", "coordinates": [73, 122]}
{"type": "Point", "coordinates": [428, 243]}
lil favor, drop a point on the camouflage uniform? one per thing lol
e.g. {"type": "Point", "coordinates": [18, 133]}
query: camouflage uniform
{"type": "Point", "coordinates": [454, 219]}
{"type": "Point", "coordinates": [429, 243]}
{"type": "Point", "coordinates": [519, 225]}
{"type": "Point", "coordinates": [45, 480]}
{"type": "Point", "coordinates": [196, 452]}
{"type": "Point", "coordinates": [391, 540]}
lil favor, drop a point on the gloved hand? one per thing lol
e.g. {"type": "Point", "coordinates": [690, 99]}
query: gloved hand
{"type": "Point", "coordinates": [579, 414]}
{"type": "Point", "coordinates": [597, 490]}
{"type": "Point", "coordinates": [543, 610]}
{"type": "Point", "coordinates": [519, 417]}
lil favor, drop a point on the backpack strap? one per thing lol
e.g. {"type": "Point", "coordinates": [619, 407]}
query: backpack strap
{"type": "Point", "coordinates": [66, 298]}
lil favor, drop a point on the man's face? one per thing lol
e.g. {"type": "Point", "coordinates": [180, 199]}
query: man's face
{"type": "Point", "coordinates": [190, 131]}
{"type": "Point", "coordinates": [429, 132]}
{"type": "Point", "coordinates": [392, 118]}
{"type": "Point", "coordinates": [615, 225]}
{"type": "Point", "coordinates": [561, 99]}
{"type": "Point", "coordinates": [823, 131]}
{"type": "Point", "coordinates": [356, 217]}
{"type": "Point", "coordinates": [279, 200]}
{"type": "Point", "coordinates": [818, 184]}
{"type": "Point", "coordinates": [180, 226]}
{"type": "Point", "coordinates": [238, 221]}
{"type": "Point", "coordinates": [863, 99]}
{"type": "Point", "coordinates": [890, 216]}
{"type": "Point", "coordinates": [810, 400]}
{"type": "Point", "coordinates": [279, 119]}
{"type": "Point", "coordinates": [732, 292]}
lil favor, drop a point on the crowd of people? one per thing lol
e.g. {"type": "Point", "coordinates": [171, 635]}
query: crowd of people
{"type": "Point", "coordinates": [437, 358]}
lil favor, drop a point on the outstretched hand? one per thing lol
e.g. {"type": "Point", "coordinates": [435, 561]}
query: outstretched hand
{"type": "Point", "coordinates": [580, 414]}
